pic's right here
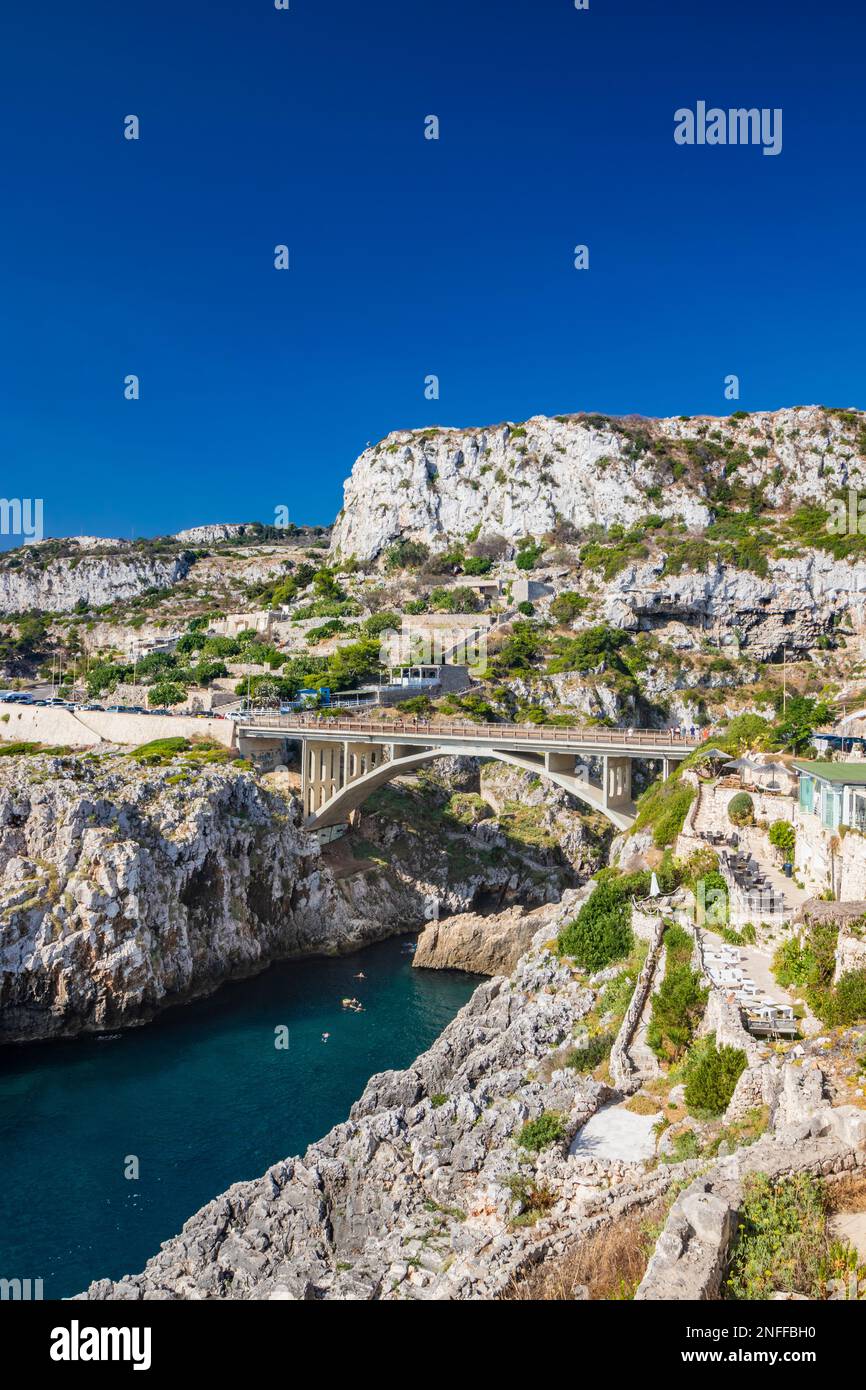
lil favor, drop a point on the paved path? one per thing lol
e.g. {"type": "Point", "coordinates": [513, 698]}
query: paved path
{"type": "Point", "coordinates": [615, 1132]}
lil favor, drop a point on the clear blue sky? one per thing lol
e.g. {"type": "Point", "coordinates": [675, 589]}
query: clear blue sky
{"type": "Point", "coordinates": [409, 256]}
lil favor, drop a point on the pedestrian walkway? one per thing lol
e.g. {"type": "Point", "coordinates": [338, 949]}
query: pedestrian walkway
{"type": "Point", "coordinates": [615, 1132]}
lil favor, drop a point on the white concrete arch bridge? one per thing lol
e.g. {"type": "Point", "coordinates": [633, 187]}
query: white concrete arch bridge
{"type": "Point", "coordinates": [344, 760]}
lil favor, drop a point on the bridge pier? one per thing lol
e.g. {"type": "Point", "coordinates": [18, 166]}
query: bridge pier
{"type": "Point", "coordinates": [617, 781]}
{"type": "Point", "coordinates": [329, 765]}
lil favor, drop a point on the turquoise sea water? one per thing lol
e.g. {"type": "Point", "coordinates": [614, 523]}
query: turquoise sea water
{"type": "Point", "coordinates": [202, 1097]}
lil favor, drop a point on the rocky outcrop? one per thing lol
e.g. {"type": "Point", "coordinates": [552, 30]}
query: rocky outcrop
{"type": "Point", "coordinates": [790, 608]}
{"type": "Point", "coordinates": [124, 889]}
{"type": "Point", "coordinates": [437, 485]}
{"type": "Point", "coordinates": [482, 945]}
{"type": "Point", "coordinates": [29, 581]}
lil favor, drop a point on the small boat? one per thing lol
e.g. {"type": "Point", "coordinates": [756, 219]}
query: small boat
{"type": "Point", "coordinates": [354, 1004]}
{"type": "Point", "coordinates": [107, 1037]}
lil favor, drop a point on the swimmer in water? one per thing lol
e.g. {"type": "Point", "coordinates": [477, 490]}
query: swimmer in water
{"type": "Point", "coordinates": [325, 1037]}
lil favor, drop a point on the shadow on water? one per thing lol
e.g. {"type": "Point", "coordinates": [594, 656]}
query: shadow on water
{"type": "Point", "coordinates": [201, 1098]}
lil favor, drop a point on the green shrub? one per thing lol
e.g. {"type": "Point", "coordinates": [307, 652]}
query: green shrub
{"type": "Point", "coordinates": [808, 962]}
{"type": "Point", "coordinates": [741, 809]}
{"type": "Point", "coordinates": [842, 1005]}
{"type": "Point", "coordinates": [528, 555]}
{"type": "Point", "coordinates": [566, 606]}
{"type": "Point", "coordinates": [685, 1145]}
{"type": "Point", "coordinates": [591, 1055]}
{"type": "Point", "coordinates": [537, 1134]}
{"type": "Point", "coordinates": [783, 837]}
{"type": "Point", "coordinates": [676, 1010]}
{"type": "Point", "coordinates": [160, 750]}
{"type": "Point", "coordinates": [601, 932]}
{"type": "Point", "coordinates": [664, 807]}
{"type": "Point", "coordinates": [711, 1076]}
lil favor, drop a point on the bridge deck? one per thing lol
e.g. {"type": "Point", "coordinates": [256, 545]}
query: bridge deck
{"type": "Point", "coordinates": [647, 742]}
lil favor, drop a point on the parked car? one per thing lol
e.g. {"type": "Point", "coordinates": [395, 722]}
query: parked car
{"type": "Point", "coordinates": [101, 708]}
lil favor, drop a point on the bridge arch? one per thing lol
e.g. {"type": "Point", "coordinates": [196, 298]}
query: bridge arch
{"type": "Point", "coordinates": [353, 794]}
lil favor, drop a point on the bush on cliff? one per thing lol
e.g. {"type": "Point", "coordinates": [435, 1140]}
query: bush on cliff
{"type": "Point", "coordinates": [663, 808]}
{"type": "Point", "coordinates": [676, 1010]}
{"type": "Point", "coordinates": [741, 809]}
{"type": "Point", "coordinates": [808, 962]}
{"type": "Point", "coordinates": [601, 931]}
{"type": "Point", "coordinates": [712, 1074]}
{"type": "Point", "coordinates": [537, 1134]}
{"type": "Point", "coordinates": [843, 1005]}
{"type": "Point", "coordinates": [784, 1242]}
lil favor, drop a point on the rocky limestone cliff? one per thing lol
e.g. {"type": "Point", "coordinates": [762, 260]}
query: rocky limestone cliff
{"type": "Point", "coordinates": [437, 485]}
{"type": "Point", "coordinates": [791, 607]}
{"type": "Point", "coordinates": [56, 586]}
{"type": "Point", "coordinates": [124, 889]}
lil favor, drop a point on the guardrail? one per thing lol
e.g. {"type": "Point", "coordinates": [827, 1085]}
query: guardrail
{"type": "Point", "coordinates": [600, 736]}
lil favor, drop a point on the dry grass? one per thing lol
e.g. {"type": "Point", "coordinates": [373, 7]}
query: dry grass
{"type": "Point", "coordinates": [642, 1105]}
{"type": "Point", "coordinates": [847, 1194]}
{"type": "Point", "coordinates": [611, 1263]}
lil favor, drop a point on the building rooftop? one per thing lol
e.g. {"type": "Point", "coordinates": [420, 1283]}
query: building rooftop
{"type": "Point", "coordinates": [849, 774]}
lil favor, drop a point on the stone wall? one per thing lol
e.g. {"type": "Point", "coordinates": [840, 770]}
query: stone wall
{"type": "Point", "coordinates": [62, 727]}
{"type": "Point", "coordinates": [830, 861]}
{"type": "Point", "coordinates": [622, 1069]}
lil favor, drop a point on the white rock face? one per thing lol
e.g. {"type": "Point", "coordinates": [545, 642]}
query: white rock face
{"type": "Point", "coordinates": [206, 535]}
{"type": "Point", "coordinates": [124, 889]}
{"type": "Point", "coordinates": [58, 586]}
{"type": "Point", "coordinates": [437, 485]}
{"type": "Point", "coordinates": [792, 606]}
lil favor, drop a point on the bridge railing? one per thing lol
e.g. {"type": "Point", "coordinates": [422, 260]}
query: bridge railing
{"type": "Point", "coordinates": [598, 735]}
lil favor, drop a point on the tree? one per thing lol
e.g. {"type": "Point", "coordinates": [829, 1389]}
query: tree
{"type": "Point", "coordinates": [712, 1074]}
{"type": "Point", "coordinates": [566, 606]}
{"type": "Point", "coordinates": [676, 1011]}
{"type": "Point", "coordinates": [165, 693]}
{"type": "Point", "coordinates": [802, 716]}
{"type": "Point", "coordinates": [601, 932]}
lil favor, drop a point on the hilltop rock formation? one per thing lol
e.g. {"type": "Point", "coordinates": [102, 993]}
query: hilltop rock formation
{"type": "Point", "coordinates": [438, 485]}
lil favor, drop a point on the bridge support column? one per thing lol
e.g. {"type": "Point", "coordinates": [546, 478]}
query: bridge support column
{"type": "Point", "coordinates": [617, 781]}
{"type": "Point", "coordinates": [321, 776]}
